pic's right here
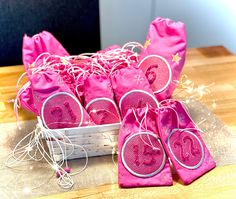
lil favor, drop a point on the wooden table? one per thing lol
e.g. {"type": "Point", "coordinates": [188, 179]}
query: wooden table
{"type": "Point", "coordinates": [203, 66]}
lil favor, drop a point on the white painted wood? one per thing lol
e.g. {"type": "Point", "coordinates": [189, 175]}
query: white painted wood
{"type": "Point", "coordinates": [97, 140]}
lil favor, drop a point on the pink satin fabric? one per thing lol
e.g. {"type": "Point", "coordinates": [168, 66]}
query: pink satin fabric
{"type": "Point", "coordinates": [44, 84]}
{"type": "Point", "coordinates": [129, 128]}
{"type": "Point", "coordinates": [167, 39]}
{"type": "Point", "coordinates": [26, 99]}
{"type": "Point", "coordinates": [97, 86]}
{"type": "Point", "coordinates": [169, 121]}
{"type": "Point", "coordinates": [43, 42]}
{"type": "Point", "coordinates": [99, 97]}
{"type": "Point", "coordinates": [40, 43]}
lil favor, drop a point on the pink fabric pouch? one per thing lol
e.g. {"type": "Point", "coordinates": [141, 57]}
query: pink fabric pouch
{"type": "Point", "coordinates": [43, 42]}
{"type": "Point", "coordinates": [142, 160]}
{"type": "Point", "coordinates": [132, 89]}
{"type": "Point", "coordinates": [55, 103]}
{"type": "Point", "coordinates": [183, 143]}
{"type": "Point", "coordinates": [99, 100]}
{"type": "Point", "coordinates": [25, 97]}
{"type": "Point", "coordinates": [163, 56]}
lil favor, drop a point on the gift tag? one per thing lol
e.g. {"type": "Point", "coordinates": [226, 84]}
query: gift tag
{"type": "Point", "coordinates": [103, 111]}
{"type": "Point", "coordinates": [136, 99]}
{"type": "Point", "coordinates": [62, 110]}
{"type": "Point", "coordinates": [157, 71]}
{"type": "Point", "coordinates": [186, 148]}
{"type": "Point", "coordinates": [143, 155]}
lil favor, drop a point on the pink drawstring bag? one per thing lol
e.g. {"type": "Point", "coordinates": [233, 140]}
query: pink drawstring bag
{"type": "Point", "coordinates": [43, 42]}
{"type": "Point", "coordinates": [132, 89]}
{"type": "Point", "coordinates": [142, 160]}
{"type": "Point", "coordinates": [55, 102]}
{"type": "Point", "coordinates": [163, 56]}
{"type": "Point", "coordinates": [183, 143]}
{"type": "Point", "coordinates": [99, 100]}
{"type": "Point", "coordinates": [26, 98]}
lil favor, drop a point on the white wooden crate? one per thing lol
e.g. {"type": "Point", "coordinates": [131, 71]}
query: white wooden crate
{"type": "Point", "coordinates": [96, 140]}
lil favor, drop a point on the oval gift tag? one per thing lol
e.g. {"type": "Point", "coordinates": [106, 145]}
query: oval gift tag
{"type": "Point", "coordinates": [136, 99]}
{"type": "Point", "coordinates": [143, 154]}
{"type": "Point", "coordinates": [157, 71]}
{"type": "Point", "coordinates": [186, 148]}
{"type": "Point", "coordinates": [62, 110]}
{"type": "Point", "coordinates": [103, 111]}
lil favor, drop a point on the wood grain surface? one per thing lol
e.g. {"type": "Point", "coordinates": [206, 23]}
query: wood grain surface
{"type": "Point", "coordinates": [203, 66]}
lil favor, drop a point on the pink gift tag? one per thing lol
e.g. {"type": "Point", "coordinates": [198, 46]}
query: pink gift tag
{"type": "Point", "coordinates": [157, 71]}
{"type": "Point", "coordinates": [62, 110]}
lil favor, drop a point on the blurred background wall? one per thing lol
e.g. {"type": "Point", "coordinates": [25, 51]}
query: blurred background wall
{"type": "Point", "coordinates": [87, 26]}
{"type": "Point", "coordinates": [74, 23]}
{"type": "Point", "coordinates": [208, 22]}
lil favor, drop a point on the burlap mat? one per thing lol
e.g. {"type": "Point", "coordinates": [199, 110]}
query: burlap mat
{"type": "Point", "coordinates": [18, 182]}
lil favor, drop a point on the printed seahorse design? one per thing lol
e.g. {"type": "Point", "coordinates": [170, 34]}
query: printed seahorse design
{"type": "Point", "coordinates": [194, 151]}
{"type": "Point", "coordinates": [151, 75]}
{"type": "Point", "coordinates": [183, 156]}
{"type": "Point", "coordinates": [70, 111]}
{"type": "Point", "coordinates": [148, 151]}
{"type": "Point", "coordinates": [136, 151]}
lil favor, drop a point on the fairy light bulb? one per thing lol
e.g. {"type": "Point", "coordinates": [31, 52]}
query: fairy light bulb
{"type": "Point", "coordinates": [55, 167]}
{"type": "Point", "coordinates": [187, 101]}
{"type": "Point", "coordinates": [189, 89]}
{"type": "Point", "coordinates": [214, 104]}
{"type": "Point", "coordinates": [188, 82]}
{"type": "Point", "coordinates": [114, 144]}
{"type": "Point", "coordinates": [93, 111]}
{"type": "Point", "coordinates": [26, 190]}
{"type": "Point", "coordinates": [28, 148]}
{"type": "Point", "coordinates": [201, 90]}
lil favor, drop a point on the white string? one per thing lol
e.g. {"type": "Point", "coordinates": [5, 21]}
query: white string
{"type": "Point", "coordinates": [24, 153]}
{"type": "Point", "coordinates": [96, 63]}
{"type": "Point", "coordinates": [145, 129]}
{"type": "Point", "coordinates": [133, 45]}
{"type": "Point", "coordinates": [195, 128]}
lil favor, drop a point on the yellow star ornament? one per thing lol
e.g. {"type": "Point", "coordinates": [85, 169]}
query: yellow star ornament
{"type": "Point", "coordinates": [147, 43]}
{"type": "Point", "coordinates": [176, 58]}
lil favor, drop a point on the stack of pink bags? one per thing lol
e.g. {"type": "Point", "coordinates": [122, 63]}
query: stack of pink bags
{"type": "Point", "coordinates": [117, 85]}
